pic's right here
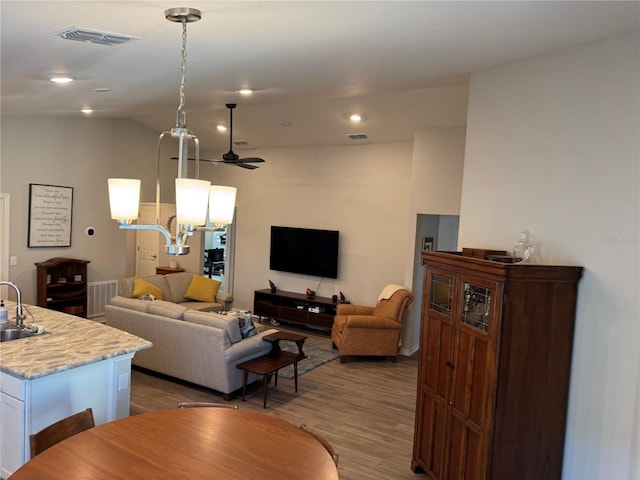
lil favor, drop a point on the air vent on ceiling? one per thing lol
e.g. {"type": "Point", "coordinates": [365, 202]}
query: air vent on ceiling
{"type": "Point", "coordinates": [357, 136]}
{"type": "Point", "coordinates": [94, 36]}
{"type": "Point", "coordinates": [240, 143]}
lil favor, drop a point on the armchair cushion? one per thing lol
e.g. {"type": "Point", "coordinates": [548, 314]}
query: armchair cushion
{"type": "Point", "coordinates": [365, 321]}
{"type": "Point", "coordinates": [389, 308]}
{"type": "Point", "coordinates": [351, 309]}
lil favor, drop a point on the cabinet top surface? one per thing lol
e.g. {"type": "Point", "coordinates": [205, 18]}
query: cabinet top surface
{"type": "Point", "coordinates": [507, 270]}
{"type": "Point", "coordinates": [54, 262]}
{"type": "Point", "coordinates": [68, 342]}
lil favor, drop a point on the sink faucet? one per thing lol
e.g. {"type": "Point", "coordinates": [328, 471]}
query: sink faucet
{"type": "Point", "coordinates": [19, 315]}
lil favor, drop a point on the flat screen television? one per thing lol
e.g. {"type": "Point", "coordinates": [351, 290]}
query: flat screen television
{"type": "Point", "coordinates": [304, 250]}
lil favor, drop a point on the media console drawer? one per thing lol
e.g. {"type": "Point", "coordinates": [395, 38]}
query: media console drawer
{"type": "Point", "coordinates": [295, 308]}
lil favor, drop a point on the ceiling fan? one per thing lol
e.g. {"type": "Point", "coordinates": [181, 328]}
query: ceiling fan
{"type": "Point", "coordinates": [232, 158]}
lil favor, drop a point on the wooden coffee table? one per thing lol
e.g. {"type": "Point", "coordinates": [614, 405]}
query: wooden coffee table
{"type": "Point", "coordinates": [274, 361]}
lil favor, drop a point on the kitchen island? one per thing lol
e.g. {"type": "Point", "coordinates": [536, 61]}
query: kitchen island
{"type": "Point", "coordinates": [75, 364]}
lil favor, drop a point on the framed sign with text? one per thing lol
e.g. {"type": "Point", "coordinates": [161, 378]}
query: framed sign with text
{"type": "Point", "coordinates": [50, 210]}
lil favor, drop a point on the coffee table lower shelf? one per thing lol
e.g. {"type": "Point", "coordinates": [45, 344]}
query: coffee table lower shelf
{"type": "Point", "coordinates": [274, 361]}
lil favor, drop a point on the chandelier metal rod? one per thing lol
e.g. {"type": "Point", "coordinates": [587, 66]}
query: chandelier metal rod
{"type": "Point", "coordinates": [181, 114]}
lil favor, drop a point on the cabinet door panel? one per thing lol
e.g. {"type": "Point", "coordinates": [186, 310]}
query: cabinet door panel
{"type": "Point", "coordinates": [12, 435]}
{"type": "Point", "coordinates": [465, 451]}
{"type": "Point", "coordinates": [432, 439]}
{"type": "Point", "coordinates": [438, 352]}
{"type": "Point", "coordinates": [471, 380]}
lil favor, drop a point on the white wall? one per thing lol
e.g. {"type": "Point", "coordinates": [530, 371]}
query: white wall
{"type": "Point", "coordinates": [359, 190]}
{"type": "Point", "coordinates": [435, 183]}
{"type": "Point", "coordinates": [78, 153]}
{"type": "Point", "coordinates": [552, 146]}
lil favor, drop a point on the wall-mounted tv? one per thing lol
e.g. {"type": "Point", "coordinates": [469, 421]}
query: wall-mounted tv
{"type": "Point", "coordinates": [304, 250]}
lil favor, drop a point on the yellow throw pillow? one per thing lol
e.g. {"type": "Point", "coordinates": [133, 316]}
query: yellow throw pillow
{"type": "Point", "coordinates": [142, 287]}
{"type": "Point", "coordinates": [202, 289]}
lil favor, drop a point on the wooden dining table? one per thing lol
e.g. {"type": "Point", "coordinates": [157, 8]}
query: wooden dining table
{"type": "Point", "coordinates": [188, 443]}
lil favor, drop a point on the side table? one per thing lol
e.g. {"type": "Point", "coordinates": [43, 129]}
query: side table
{"type": "Point", "coordinates": [274, 361]}
{"type": "Point", "coordinates": [168, 270]}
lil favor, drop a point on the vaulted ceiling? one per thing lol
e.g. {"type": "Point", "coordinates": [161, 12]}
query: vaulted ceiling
{"type": "Point", "coordinates": [403, 65]}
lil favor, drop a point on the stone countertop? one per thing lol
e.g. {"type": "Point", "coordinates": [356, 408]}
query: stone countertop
{"type": "Point", "coordinates": [68, 342]}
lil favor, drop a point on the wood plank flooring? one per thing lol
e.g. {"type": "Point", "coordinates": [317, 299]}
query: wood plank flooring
{"type": "Point", "coordinates": [365, 408]}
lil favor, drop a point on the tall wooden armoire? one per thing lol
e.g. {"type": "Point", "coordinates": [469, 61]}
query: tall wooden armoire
{"type": "Point", "coordinates": [495, 360]}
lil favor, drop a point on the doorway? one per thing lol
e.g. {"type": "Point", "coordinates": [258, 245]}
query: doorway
{"type": "Point", "coordinates": [436, 232]}
{"type": "Point", "coordinates": [146, 242]}
{"type": "Point", "coordinates": [219, 255]}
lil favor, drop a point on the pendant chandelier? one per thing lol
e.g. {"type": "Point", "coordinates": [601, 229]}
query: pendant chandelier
{"type": "Point", "coordinates": [193, 196]}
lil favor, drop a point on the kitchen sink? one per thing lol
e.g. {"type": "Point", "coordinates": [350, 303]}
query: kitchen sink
{"type": "Point", "coordinates": [14, 334]}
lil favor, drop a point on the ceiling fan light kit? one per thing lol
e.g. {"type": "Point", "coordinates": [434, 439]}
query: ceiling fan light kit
{"type": "Point", "coordinates": [192, 195]}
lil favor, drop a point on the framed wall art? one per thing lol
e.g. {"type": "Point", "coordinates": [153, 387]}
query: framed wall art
{"type": "Point", "coordinates": [50, 213]}
{"type": "Point", "coordinates": [427, 243]}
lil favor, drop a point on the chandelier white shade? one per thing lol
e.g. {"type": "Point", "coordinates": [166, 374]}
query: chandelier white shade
{"type": "Point", "coordinates": [124, 197]}
{"type": "Point", "coordinates": [222, 202]}
{"type": "Point", "coordinates": [192, 197]}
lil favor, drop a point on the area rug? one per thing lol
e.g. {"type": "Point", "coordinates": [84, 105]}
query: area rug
{"type": "Point", "coordinates": [318, 353]}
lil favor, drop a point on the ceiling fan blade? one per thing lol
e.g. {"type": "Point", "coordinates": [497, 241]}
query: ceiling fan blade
{"type": "Point", "coordinates": [240, 162]}
{"type": "Point", "coordinates": [252, 160]}
{"type": "Point", "coordinates": [245, 165]}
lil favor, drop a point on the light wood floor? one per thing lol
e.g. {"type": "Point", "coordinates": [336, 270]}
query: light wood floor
{"type": "Point", "coordinates": [365, 408]}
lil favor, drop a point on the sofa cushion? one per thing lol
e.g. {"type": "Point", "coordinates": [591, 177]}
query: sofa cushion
{"type": "Point", "coordinates": [167, 309]}
{"type": "Point", "coordinates": [202, 289]}
{"type": "Point", "coordinates": [126, 286]}
{"type": "Point", "coordinates": [177, 284]}
{"type": "Point", "coordinates": [131, 303]}
{"type": "Point", "coordinates": [142, 287]}
{"type": "Point", "coordinates": [202, 306]}
{"type": "Point", "coordinates": [227, 323]}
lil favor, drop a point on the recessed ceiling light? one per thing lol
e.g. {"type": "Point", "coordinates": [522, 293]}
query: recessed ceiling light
{"type": "Point", "coordinates": [87, 110]}
{"type": "Point", "coordinates": [244, 91]}
{"type": "Point", "coordinates": [62, 79]}
{"type": "Point", "coordinates": [221, 128]}
{"type": "Point", "coordinates": [101, 90]}
{"type": "Point", "coordinates": [355, 117]}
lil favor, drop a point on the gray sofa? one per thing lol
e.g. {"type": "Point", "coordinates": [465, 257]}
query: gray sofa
{"type": "Point", "coordinates": [196, 346]}
{"type": "Point", "coordinates": [173, 287]}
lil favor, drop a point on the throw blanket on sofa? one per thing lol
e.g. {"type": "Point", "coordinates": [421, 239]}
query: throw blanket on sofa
{"type": "Point", "coordinates": [389, 290]}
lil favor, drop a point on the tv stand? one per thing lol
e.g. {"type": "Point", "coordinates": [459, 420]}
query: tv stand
{"type": "Point", "coordinates": [297, 308]}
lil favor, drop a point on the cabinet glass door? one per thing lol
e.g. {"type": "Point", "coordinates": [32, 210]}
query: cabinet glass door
{"type": "Point", "coordinates": [441, 293]}
{"type": "Point", "coordinates": [475, 310]}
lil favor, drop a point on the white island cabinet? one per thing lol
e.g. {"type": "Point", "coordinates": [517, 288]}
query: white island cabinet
{"type": "Point", "coordinates": [74, 365]}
